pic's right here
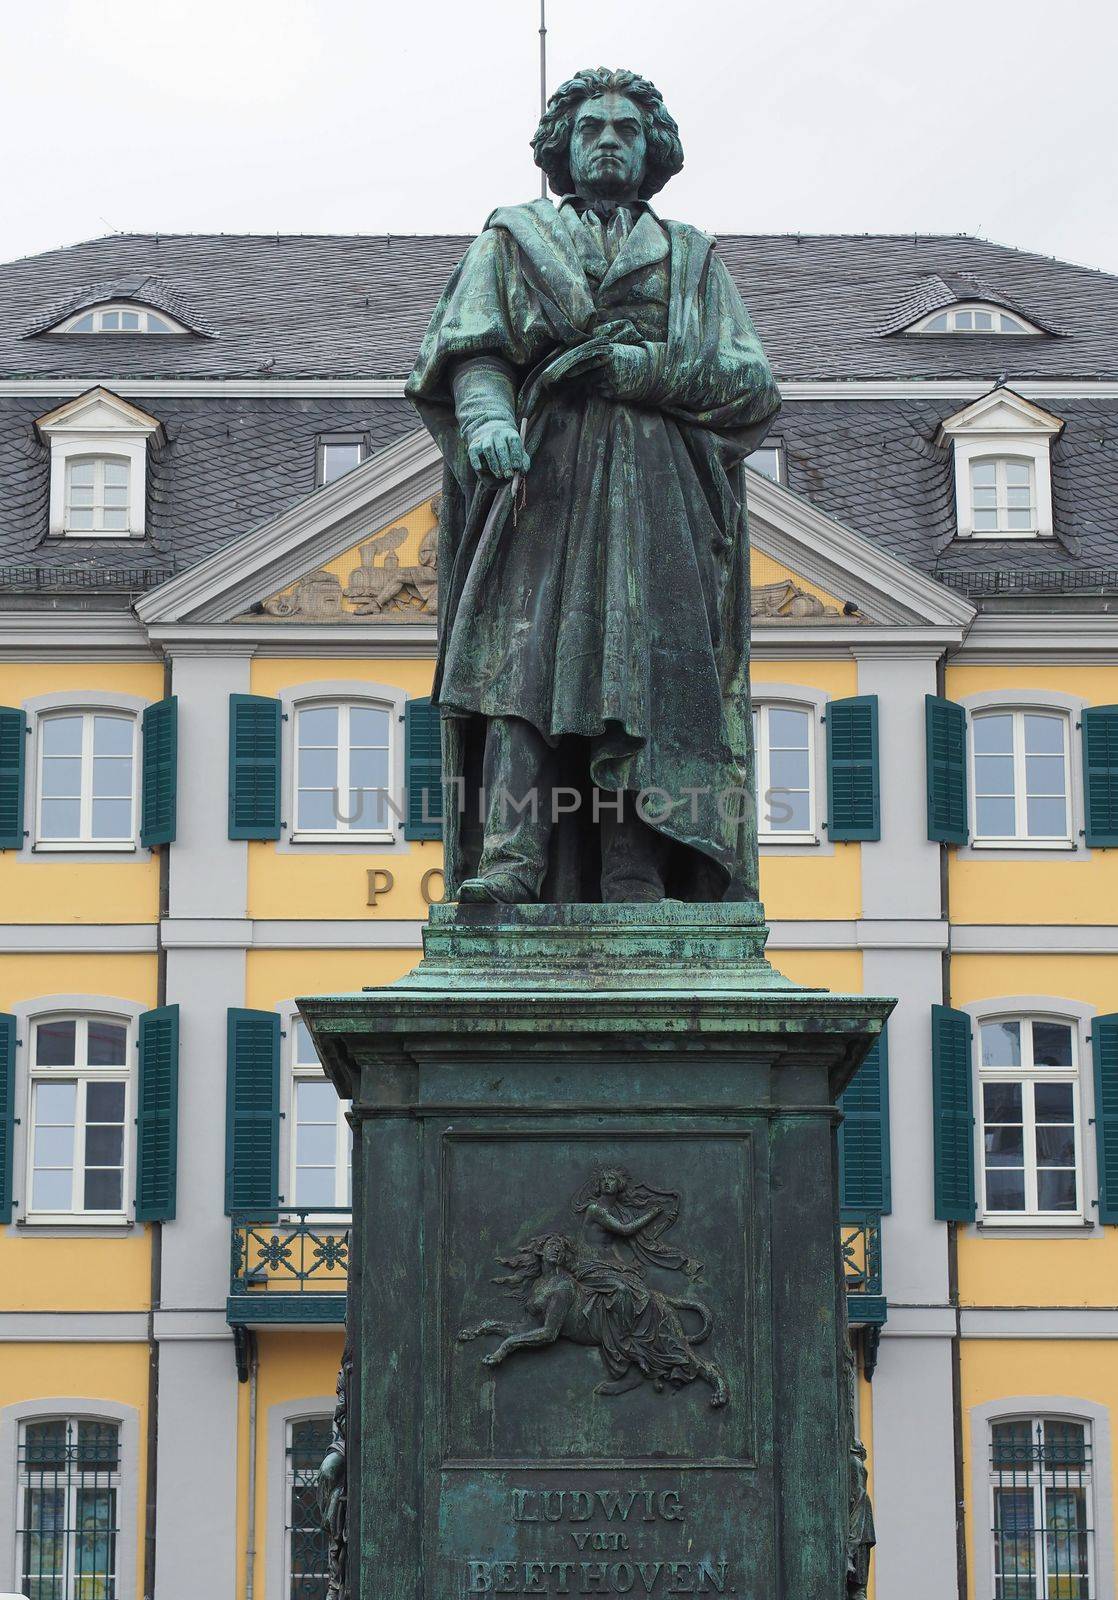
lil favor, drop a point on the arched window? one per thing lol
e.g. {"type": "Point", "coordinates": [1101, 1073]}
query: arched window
{"type": "Point", "coordinates": [976, 317]}
{"type": "Point", "coordinates": [68, 1528]}
{"type": "Point", "coordinates": [78, 1146]}
{"type": "Point", "coordinates": [1003, 494]}
{"type": "Point", "coordinates": [120, 317]}
{"type": "Point", "coordinates": [306, 1553]}
{"type": "Point", "coordinates": [1029, 1117]}
{"type": "Point", "coordinates": [96, 494]}
{"type": "Point", "coordinates": [344, 773]}
{"type": "Point", "coordinates": [1021, 776]}
{"type": "Point", "coordinates": [1042, 1534]}
{"type": "Point", "coordinates": [321, 1139]}
{"type": "Point", "coordinates": [86, 780]}
{"type": "Point", "coordinates": [784, 771]}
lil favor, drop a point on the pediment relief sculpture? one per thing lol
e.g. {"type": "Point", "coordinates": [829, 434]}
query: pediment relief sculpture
{"type": "Point", "coordinates": [786, 601]}
{"type": "Point", "coordinates": [379, 586]}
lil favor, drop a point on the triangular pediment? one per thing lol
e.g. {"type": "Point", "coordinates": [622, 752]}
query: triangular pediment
{"type": "Point", "coordinates": [1002, 411]}
{"type": "Point", "coordinates": [97, 411]}
{"type": "Point", "coordinates": [363, 550]}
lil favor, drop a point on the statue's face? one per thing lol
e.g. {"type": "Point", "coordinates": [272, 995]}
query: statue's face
{"type": "Point", "coordinates": [608, 148]}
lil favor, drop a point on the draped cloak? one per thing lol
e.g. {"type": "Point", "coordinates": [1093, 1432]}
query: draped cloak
{"type": "Point", "coordinates": [604, 598]}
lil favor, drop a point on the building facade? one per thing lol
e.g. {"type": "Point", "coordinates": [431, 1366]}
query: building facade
{"type": "Point", "coordinates": [217, 761]}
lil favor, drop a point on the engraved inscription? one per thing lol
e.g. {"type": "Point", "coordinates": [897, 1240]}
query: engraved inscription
{"type": "Point", "coordinates": [593, 1290]}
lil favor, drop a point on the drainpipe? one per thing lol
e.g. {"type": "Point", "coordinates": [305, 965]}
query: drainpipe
{"type": "Point", "coordinates": [250, 1536]}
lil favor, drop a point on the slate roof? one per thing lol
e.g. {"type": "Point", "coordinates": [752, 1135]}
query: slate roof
{"type": "Point", "coordinates": [281, 307]}
{"type": "Point", "coordinates": [300, 305]}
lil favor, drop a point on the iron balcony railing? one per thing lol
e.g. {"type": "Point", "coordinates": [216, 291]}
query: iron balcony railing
{"type": "Point", "coordinates": [860, 1241]}
{"type": "Point", "coordinates": [290, 1267]}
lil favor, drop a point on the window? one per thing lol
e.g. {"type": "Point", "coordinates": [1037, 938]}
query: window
{"type": "Point", "coordinates": [321, 1141]}
{"type": "Point", "coordinates": [343, 770]}
{"type": "Point", "coordinates": [784, 768]}
{"type": "Point", "coordinates": [120, 319]}
{"type": "Point", "coordinates": [973, 319]}
{"type": "Point", "coordinates": [336, 457]}
{"type": "Point", "coordinates": [306, 1551]}
{"type": "Point", "coordinates": [68, 1511]}
{"type": "Point", "coordinates": [1003, 495]}
{"type": "Point", "coordinates": [1040, 1490]}
{"type": "Point", "coordinates": [1020, 766]}
{"type": "Point", "coordinates": [86, 780]}
{"type": "Point", "coordinates": [1030, 1117]}
{"type": "Point", "coordinates": [96, 494]}
{"type": "Point", "coordinates": [768, 460]}
{"type": "Point", "coordinates": [79, 1107]}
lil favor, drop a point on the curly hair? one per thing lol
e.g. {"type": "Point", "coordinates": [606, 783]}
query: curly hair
{"type": "Point", "coordinates": [551, 144]}
{"type": "Point", "coordinates": [526, 1263]}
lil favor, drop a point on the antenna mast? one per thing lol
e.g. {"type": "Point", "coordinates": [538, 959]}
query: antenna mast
{"type": "Point", "coordinates": [543, 80]}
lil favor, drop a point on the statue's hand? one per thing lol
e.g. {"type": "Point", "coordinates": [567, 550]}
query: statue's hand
{"type": "Point", "coordinates": [496, 448]}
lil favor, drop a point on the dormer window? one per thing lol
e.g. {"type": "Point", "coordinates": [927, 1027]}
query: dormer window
{"type": "Point", "coordinates": [121, 317]}
{"type": "Point", "coordinates": [98, 465]}
{"type": "Point", "coordinates": [974, 318]}
{"type": "Point", "coordinates": [1003, 474]}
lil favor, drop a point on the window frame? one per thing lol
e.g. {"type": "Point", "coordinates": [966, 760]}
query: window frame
{"type": "Point", "coordinates": [83, 1074]}
{"type": "Point", "coordinates": [98, 312]}
{"type": "Point", "coordinates": [777, 448]}
{"type": "Point", "coordinates": [1024, 841]}
{"type": "Point", "coordinates": [99, 462]}
{"type": "Point", "coordinates": [1026, 330]}
{"type": "Point", "coordinates": [344, 833]}
{"type": "Point", "coordinates": [760, 707]}
{"type": "Point", "coordinates": [1031, 1074]}
{"type": "Point", "coordinates": [86, 843]}
{"type": "Point", "coordinates": [325, 441]}
{"type": "Point", "coordinates": [72, 1531]}
{"type": "Point", "coordinates": [1000, 460]}
{"type": "Point", "coordinates": [1039, 1489]}
{"type": "Point", "coordinates": [299, 1071]}
{"type": "Point", "coordinates": [289, 1485]}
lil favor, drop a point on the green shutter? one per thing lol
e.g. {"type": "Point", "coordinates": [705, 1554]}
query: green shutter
{"type": "Point", "coordinates": [254, 767]}
{"type": "Point", "coordinates": [160, 774]}
{"type": "Point", "coordinates": [1100, 775]}
{"type": "Point", "coordinates": [853, 799]}
{"type": "Point", "coordinates": [945, 726]}
{"type": "Point", "coordinates": [157, 1122]}
{"type": "Point", "coordinates": [423, 770]}
{"type": "Point", "coordinates": [13, 740]}
{"type": "Point", "coordinates": [1104, 1049]}
{"type": "Point", "coordinates": [864, 1178]}
{"type": "Point", "coordinates": [953, 1114]}
{"type": "Point", "coordinates": [252, 1113]}
{"type": "Point", "coordinates": [7, 1111]}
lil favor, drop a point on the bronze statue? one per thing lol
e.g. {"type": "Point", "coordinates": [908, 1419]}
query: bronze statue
{"type": "Point", "coordinates": [594, 383]}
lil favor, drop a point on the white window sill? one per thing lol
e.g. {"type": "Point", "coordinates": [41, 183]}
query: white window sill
{"type": "Point", "coordinates": [72, 846]}
{"type": "Point", "coordinates": [98, 533]}
{"type": "Point", "coordinates": [788, 838]}
{"type": "Point", "coordinates": [76, 1219]}
{"type": "Point", "coordinates": [1032, 1220]}
{"type": "Point", "coordinates": [1008, 533]}
{"type": "Point", "coordinates": [342, 836]}
{"type": "Point", "coordinates": [1021, 844]}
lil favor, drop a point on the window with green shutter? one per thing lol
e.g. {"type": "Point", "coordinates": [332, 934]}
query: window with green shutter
{"type": "Point", "coordinates": [945, 728]}
{"type": "Point", "coordinates": [254, 767]}
{"type": "Point", "coordinates": [1104, 1049]}
{"type": "Point", "coordinates": [159, 783]}
{"type": "Point", "coordinates": [7, 1111]}
{"type": "Point", "coordinates": [423, 770]}
{"type": "Point", "coordinates": [13, 741]}
{"type": "Point", "coordinates": [252, 1112]}
{"type": "Point", "coordinates": [853, 798]}
{"type": "Point", "coordinates": [864, 1176]}
{"type": "Point", "coordinates": [953, 1114]}
{"type": "Point", "coordinates": [157, 1118]}
{"type": "Point", "coordinates": [1100, 774]}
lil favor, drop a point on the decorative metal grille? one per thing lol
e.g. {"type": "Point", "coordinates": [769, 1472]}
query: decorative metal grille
{"type": "Point", "coordinates": [302, 1250]}
{"type": "Point", "coordinates": [1043, 1541]}
{"type": "Point", "coordinates": [69, 1482]}
{"type": "Point", "coordinates": [860, 1243]}
{"type": "Point", "coordinates": [307, 1551]}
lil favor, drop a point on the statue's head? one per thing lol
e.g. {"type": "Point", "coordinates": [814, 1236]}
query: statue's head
{"type": "Point", "coordinates": [612, 1180]}
{"type": "Point", "coordinates": [606, 134]}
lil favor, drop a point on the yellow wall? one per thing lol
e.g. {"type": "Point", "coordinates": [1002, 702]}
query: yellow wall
{"type": "Point", "coordinates": [332, 881]}
{"type": "Point", "coordinates": [1067, 1270]}
{"type": "Point", "coordinates": [52, 1271]}
{"type": "Point", "coordinates": [84, 1372]}
{"type": "Point", "coordinates": [1058, 886]}
{"type": "Point", "coordinates": [54, 888]}
{"type": "Point", "coordinates": [993, 1369]}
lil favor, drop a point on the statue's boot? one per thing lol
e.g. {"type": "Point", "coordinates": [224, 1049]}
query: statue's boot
{"type": "Point", "coordinates": [517, 777]}
{"type": "Point", "coordinates": [634, 856]}
{"type": "Point", "coordinates": [495, 888]}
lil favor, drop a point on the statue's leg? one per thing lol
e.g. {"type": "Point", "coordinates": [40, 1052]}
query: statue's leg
{"type": "Point", "coordinates": [634, 855]}
{"type": "Point", "coordinates": [518, 782]}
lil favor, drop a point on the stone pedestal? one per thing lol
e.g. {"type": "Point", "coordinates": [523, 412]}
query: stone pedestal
{"type": "Point", "coordinates": [626, 1114]}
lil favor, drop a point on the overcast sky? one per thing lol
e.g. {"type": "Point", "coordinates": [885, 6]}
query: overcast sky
{"type": "Point", "coordinates": [413, 116]}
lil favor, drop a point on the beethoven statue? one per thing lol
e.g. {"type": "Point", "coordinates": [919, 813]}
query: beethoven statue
{"type": "Point", "coordinates": [594, 382]}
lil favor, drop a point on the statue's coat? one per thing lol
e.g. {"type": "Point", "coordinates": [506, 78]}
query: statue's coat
{"type": "Point", "coordinates": [607, 595]}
